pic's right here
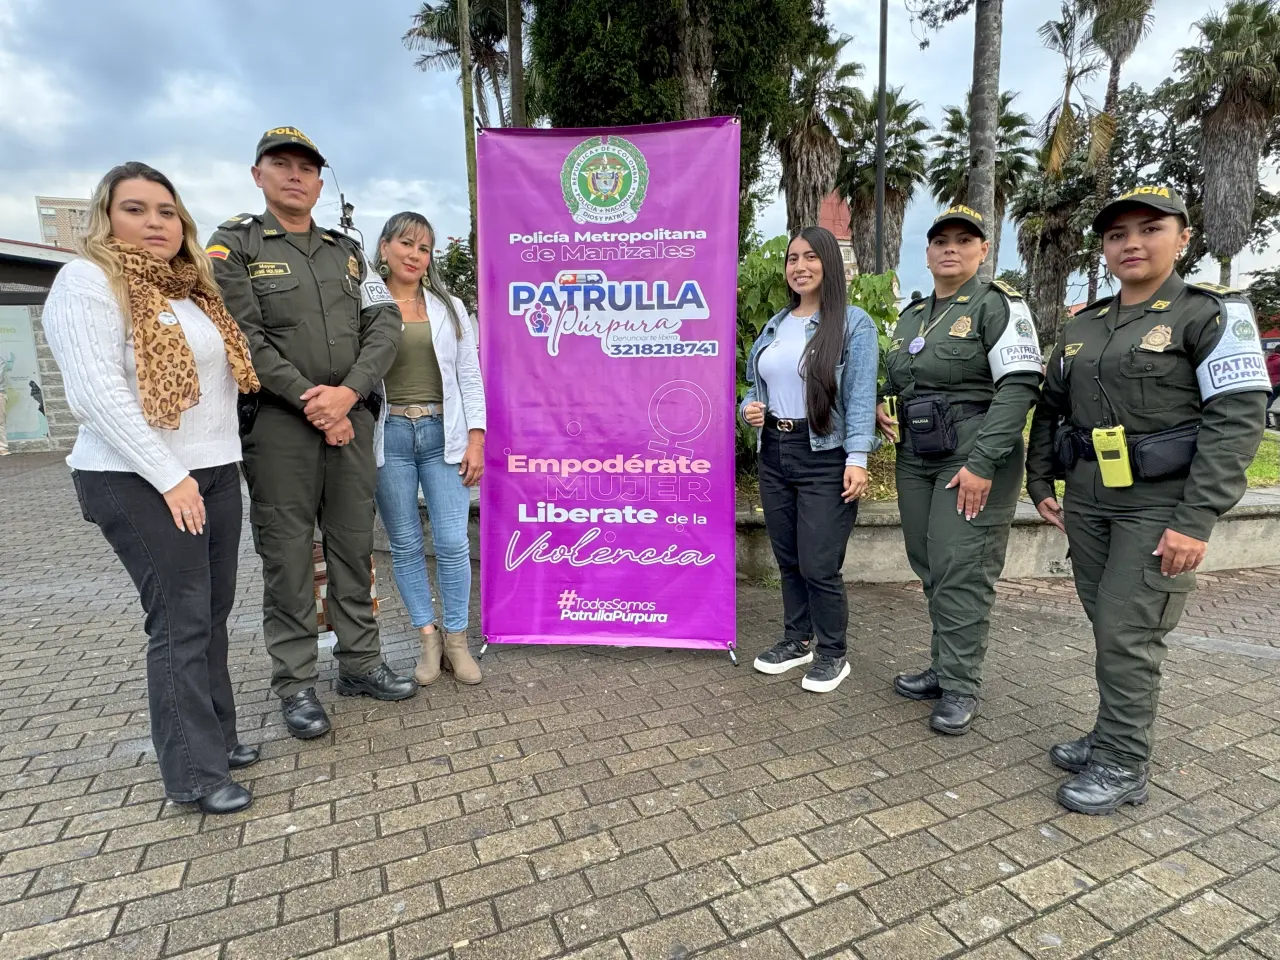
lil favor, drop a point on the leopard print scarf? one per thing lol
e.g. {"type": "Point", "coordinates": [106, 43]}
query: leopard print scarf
{"type": "Point", "coordinates": [167, 379]}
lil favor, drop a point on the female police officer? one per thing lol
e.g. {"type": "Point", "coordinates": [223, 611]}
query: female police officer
{"type": "Point", "coordinates": [965, 365]}
{"type": "Point", "coordinates": [1153, 407]}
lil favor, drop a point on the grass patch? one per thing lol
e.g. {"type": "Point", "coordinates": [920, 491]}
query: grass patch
{"type": "Point", "coordinates": [1265, 469]}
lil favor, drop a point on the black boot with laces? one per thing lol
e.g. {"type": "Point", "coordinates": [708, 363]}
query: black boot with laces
{"type": "Point", "coordinates": [1103, 789]}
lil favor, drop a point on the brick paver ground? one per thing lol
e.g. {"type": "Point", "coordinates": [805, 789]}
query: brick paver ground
{"type": "Point", "coordinates": [605, 803]}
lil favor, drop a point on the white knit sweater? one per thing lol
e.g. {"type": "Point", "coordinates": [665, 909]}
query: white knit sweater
{"type": "Point", "coordinates": [85, 329]}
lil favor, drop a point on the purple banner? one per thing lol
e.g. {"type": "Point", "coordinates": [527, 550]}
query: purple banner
{"type": "Point", "coordinates": [608, 298]}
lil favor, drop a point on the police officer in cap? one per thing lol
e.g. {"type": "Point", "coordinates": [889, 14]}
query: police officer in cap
{"type": "Point", "coordinates": [965, 367]}
{"type": "Point", "coordinates": [323, 332]}
{"type": "Point", "coordinates": [1152, 408]}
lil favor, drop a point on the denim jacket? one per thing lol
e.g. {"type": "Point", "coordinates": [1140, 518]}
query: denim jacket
{"type": "Point", "coordinates": [853, 421]}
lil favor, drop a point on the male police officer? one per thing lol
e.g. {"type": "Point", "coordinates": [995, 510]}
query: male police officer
{"type": "Point", "coordinates": [323, 333]}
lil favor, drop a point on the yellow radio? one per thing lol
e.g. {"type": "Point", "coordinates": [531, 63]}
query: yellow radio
{"type": "Point", "coordinates": [1113, 456]}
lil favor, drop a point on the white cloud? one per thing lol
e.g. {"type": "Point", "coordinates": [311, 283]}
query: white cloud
{"type": "Point", "coordinates": [188, 95]}
{"type": "Point", "coordinates": [34, 105]}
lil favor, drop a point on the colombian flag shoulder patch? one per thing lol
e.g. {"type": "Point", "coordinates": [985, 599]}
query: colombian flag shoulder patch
{"type": "Point", "coordinates": [218, 251]}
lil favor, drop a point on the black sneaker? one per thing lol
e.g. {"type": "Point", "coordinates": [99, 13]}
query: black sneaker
{"type": "Point", "coordinates": [781, 657]}
{"type": "Point", "coordinates": [825, 674]}
{"type": "Point", "coordinates": [1103, 789]}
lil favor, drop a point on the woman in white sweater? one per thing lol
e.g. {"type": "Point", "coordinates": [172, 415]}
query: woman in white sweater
{"type": "Point", "coordinates": [152, 364]}
{"type": "Point", "coordinates": [433, 440]}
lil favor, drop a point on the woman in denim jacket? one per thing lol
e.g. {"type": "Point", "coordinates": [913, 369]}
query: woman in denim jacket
{"type": "Point", "coordinates": [812, 398]}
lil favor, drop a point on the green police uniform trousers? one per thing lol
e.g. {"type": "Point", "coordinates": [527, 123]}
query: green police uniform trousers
{"type": "Point", "coordinates": [295, 479]}
{"type": "Point", "coordinates": [957, 560]}
{"type": "Point", "coordinates": [1132, 607]}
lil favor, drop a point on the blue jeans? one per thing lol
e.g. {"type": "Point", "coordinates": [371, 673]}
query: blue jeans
{"type": "Point", "coordinates": [414, 457]}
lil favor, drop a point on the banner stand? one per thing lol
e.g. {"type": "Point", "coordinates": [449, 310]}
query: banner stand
{"type": "Point", "coordinates": [607, 267]}
{"type": "Point", "coordinates": [484, 646]}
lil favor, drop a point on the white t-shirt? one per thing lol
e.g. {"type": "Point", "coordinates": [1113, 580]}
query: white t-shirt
{"type": "Point", "coordinates": [779, 368]}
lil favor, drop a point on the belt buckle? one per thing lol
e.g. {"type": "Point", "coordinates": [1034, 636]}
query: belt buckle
{"type": "Point", "coordinates": [414, 411]}
{"type": "Point", "coordinates": [786, 426]}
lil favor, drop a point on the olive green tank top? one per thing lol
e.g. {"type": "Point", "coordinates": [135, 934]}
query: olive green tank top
{"type": "Point", "coordinates": [414, 377]}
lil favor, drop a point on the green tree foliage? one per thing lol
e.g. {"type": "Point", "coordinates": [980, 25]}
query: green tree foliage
{"type": "Point", "coordinates": [1231, 86]}
{"type": "Point", "coordinates": [1152, 145]}
{"type": "Point", "coordinates": [905, 153]}
{"type": "Point", "coordinates": [434, 35]}
{"type": "Point", "coordinates": [949, 166]}
{"type": "Point", "coordinates": [763, 292]}
{"type": "Point", "coordinates": [458, 270]}
{"type": "Point", "coordinates": [1264, 292]}
{"type": "Point", "coordinates": [618, 62]}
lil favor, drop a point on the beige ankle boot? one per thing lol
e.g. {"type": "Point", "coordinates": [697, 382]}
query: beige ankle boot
{"type": "Point", "coordinates": [458, 658]}
{"type": "Point", "coordinates": [428, 668]}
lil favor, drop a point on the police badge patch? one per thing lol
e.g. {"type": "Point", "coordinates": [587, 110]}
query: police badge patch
{"type": "Point", "coordinates": [1157, 339]}
{"type": "Point", "coordinates": [353, 267]}
{"type": "Point", "coordinates": [1024, 328]}
{"type": "Point", "coordinates": [962, 327]}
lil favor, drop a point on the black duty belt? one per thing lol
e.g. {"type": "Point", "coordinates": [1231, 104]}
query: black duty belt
{"type": "Point", "coordinates": [785, 424]}
{"type": "Point", "coordinates": [965, 409]}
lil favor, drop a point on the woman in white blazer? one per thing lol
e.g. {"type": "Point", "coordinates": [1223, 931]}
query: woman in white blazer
{"type": "Point", "coordinates": [431, 438]}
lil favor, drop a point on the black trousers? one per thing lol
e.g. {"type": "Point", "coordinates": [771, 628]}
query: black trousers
{"type": "Point", "coordinates": [809, 526]}
{"type": "Point", "coordinates": [187, 585]}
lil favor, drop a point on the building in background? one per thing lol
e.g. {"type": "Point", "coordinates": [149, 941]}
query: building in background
{"type": "Point", "coordinates": [39, 418]}
{"type": "Point", "coordinates": [62, 220]}
{"type": "Point", "coordinates": [834, 215]}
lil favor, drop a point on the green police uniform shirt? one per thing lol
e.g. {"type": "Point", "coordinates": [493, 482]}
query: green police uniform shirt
{"type": "Point", "coordinates": [1190, 354]}
{"type": "Point", "coordinates": [980, 347]}
{"type": "Point", "coordinates": [313, 311]}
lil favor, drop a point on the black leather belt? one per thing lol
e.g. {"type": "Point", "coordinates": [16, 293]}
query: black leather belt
{"type": "Point", "coordinates": [785, 425]}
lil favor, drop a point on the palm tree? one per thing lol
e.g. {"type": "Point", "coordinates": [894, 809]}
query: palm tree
{"type": "Point", "coordinates": [515, 60]}
{"type": "Point", "coordinates": [948, 169]}
{"type": "Point", "coordinates": [1052, 213]}
{"type": "Point", "coordinates": [1231, 84]}
{"type": "Point", "coordinates": [984, 105]}
{"type": "Point", "coordinates": [822, 97]}
{"type": "Point", "coordinates": [904, 154]}
{"type": "Point", "coordinates": [435, 34]}
{"type": "Point", "coordinates": [1066, 119]}
{"type": "Point", "coordinates": [1118, 27]}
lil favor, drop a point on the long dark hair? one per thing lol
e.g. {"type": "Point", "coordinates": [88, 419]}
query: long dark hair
{"type": "Point", "coordinates": [822, 355]}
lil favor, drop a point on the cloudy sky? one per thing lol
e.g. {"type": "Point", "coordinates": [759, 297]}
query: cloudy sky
{"type": "Point", "coordinates": [189, 87]}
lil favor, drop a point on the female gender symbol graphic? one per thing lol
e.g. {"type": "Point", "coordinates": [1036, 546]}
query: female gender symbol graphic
{"type": "Point", "coordinates": [691, 404]}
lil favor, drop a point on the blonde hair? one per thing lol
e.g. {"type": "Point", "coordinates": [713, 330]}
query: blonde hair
{"type": "Point", "coordinates": [406, 223]}
{"type": "Point", "coordinates": [93, 245]}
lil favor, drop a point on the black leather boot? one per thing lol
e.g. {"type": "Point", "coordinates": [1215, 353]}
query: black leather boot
{"type": "Point", "coordinates": [241, 756]}
{"type": "Point", "coordinates": [304, 716]}
{"type": "Point", "coordinates": [231, 798]}
{"type": "Point", "coordinates": [953, 713]}
{"type": "Point", "coordinates": [1074, 754]}
{"type": "Point", "coordinates": [1103, 789]}
{"type": "Point", "coordinates": [381, 684]}
{"type": "Point", "coordinates": [918, 686]}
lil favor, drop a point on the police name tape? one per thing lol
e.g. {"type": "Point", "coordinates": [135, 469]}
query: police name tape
{"type": "Point", "coordinates": [566, 466]}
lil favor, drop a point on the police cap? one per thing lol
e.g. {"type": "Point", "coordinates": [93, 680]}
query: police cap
{"type": "Point", "coordinates": [1161, 199]}
{"type": "Point", "coordinates": [278, 138]}
{"type": "Point", "coordinates": [959, 214]}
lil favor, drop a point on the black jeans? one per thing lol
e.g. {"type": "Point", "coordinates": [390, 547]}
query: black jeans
{"type": "Point", "coordinates": [809, 526]}
{"type": "Point", "coordinates": [187, 585]}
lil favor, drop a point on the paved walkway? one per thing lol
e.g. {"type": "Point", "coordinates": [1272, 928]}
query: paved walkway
{"type": "Point", "coordinates": [605, 803]}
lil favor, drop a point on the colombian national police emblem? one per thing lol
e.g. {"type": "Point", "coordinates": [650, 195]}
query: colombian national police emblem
{"type": "Point", "coordinates": [604, 180]}
{"type": "Point", "coordinates": [1024, 328]}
